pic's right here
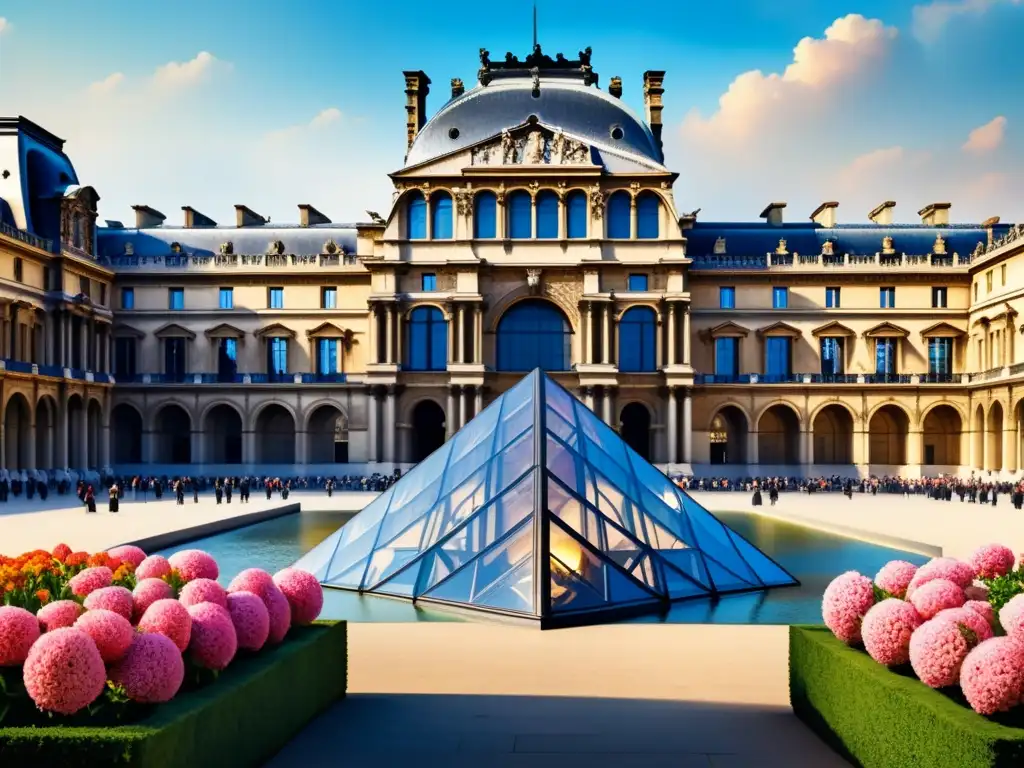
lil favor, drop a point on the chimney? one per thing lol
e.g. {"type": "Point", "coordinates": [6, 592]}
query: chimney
{"type": "Point", "coordinates": [458, 88]}
{"type": "Point", "coordinates": [825, 214]}
{"type": "Point", "coordinates": [653, 90]}
{"type": "Point", "coordinates": [247, 217]}
{"type": "Point", "coordinates": [194, 218]}
{"type": "Point", "coordinates": [147, 217]}
{"type": "Point", "coordinates": [988, 225]}
{"type": "Point", "coordinates": [882, 214]}
{"type": "Point", "coordinates": [417, 86]}
{"type": "Point", "coordinates": [773, 213]}
{"type": "Point", "coordinates": [615, 87]}
{"type": "Point", "coordinates": [310, 216]}
{"type": "Point", "coordinates": [935, 215]}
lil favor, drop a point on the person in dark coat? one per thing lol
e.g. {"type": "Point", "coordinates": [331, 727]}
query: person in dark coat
{"type": "Point", "coordinates": [195, 491]}
{"type": "Point", "coordinates": [243, 489]}
{"type": "Point", "coordinates": [218, 490]}
{"type": "Point", "coordinates": [227, 489]}
{"type": "Point", "coordinates": [756, 501]}
{"type": "Point", "coordinates": [269, 488]}
{"type": "Point", "coordinates": [90, 499]}
{"type": "Point", "coordinates": [115, 500]}
{"type": "Point", "coordinates": [179, 492]}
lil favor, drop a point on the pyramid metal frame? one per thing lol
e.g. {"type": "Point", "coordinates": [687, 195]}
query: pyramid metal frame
{"type": "Point", "coordinates": [635, 575]}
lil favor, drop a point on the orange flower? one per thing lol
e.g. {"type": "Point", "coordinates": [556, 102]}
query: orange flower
{"type": "Point", "coordinates": [61, 551]}
{"type": "Point", "coordinates": [43, 596]}
{"type": "Point", "coordinates": [76, 558]}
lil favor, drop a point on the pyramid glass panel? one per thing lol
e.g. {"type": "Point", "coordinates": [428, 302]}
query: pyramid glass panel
{"type": "Point", "coordinates": [538, 509]}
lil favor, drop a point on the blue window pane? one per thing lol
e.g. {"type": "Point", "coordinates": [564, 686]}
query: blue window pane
{"type": "Point", "coordinates": [832, 298]}
{"type": "Point", "coordinates": [638, 282]}
{"type": "Point", "coordinates": [441, 216]}
{"type": "Point", "coordinates": [278, 355]}
{"type": "Point", "coordinates": [329, 298]}
{"type": "Point", "coordinates": [416, 216]}
{"type": "Point", "coordinates": [618, 216]}
{"type": "Point", "coordinates": [327, 356]}
{"type": "Point", "coordinates": [227, 359]}
{"type": "Point", "coordinates": [428, 340]}
{"type": "Point", "coordinates": [727, 297]}
{"type": "Point", "coordinates": [637, 336]}
{"type": "Point", "coordinates": [727, 361]}
{"type": "Point", "coordinates": [547, 215]}
{"type": "Point", "coordinates": [885, 356]}
{"type": "Point", "coordinates": [832, 358]}
{"type": "Point", "coordinates": [227, 298]}
{"type": "Point", "coordinates": [174, 358]}
{"type": "Point", "coordinates": [648, 210]}
{"type": "Point", "coordinates": [887, 298]}
{"type": "Point", "coordinates": [127, 298]}
{"type": "Point", "coordinates": [429, 282]}
{"type": "Point", "coordinates": [576, 215]}
{"type": "Point", "coordinates": [176, 298]}
{"type": "Point", "coordinates": [780, 298]}
{"type": "Point", "coordinates": [940, 356]}
{"type": "Point", "coordinates": [485, 216]}
{"type": "Point", "coordinates": [777, 356]}
{"type": "Point", "coordinates": [520, 215]}
{"type": "Point", "coordinates": [277, 298]}
{"type": "Point", "coordinates": [534, 334]}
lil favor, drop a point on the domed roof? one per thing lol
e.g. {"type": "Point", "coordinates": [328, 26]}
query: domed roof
{"type": "Point", "coordinates": [582, 111]}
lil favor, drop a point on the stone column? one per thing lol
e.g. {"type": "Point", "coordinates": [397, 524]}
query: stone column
{"type": "Point", "coordinates": [371, 453]}
{"type": "Point", "coordinates": [460, 352]}
{"type": "Point", "coordinates": [104, 445]}
{"type": "Point", "coordinates": [389, 332]}
{"type": "Point", "coordinates": [606, 334]}
{"type": "Point", "coordinates": [562, 229]}
{"type": "Point", "coordinates": [83, 436]}
{"type": "Point", "coordinates": [806, 448]}
{"type": "Point", "coordinates": [671, 334]}
{"type": "Point", "coordinates": [687, 427]}
{"type": "Point", "coordinates": [752, 448]}
{"type": "Point", "coordinates": [196, 447]}
{"type": "Point", "coordinates": [659, 345]}
{"type": "Point", "coordinates": [686, 335]}
{"type": "Point", "coordinates": [478, 401]}
{"type": "Point", "coordinates": [670, 453]}
{"type": "Point", "coordinates": [632, 218]}
{"type": "Point", "coordinates": [1009, 447]}
{"type": "Point", "coordinates": [371, 340]}
{"type": "Point", "coordinates": [478, 336]}
{"type": "Point", "coordinates": [463, 396]}
{"type": "Point", "coordinates": [389, 426]}
{"type": "Point", "coordinates": [588, 351]}
{"type": "Point", "coordinates": [588, 397]}
{"type": "Point", "coordinates": [449, 416]}
{"type": "Point", "coordinates": [606, 406]}
{"type": "Point", "coordinates": [451, 337]}
{"type": "Point", "coordinates": [30, 446]}
{"type": "Point", "coordinates": [83, 335]}
{"type": "Point", "coordinates": [399, 336]}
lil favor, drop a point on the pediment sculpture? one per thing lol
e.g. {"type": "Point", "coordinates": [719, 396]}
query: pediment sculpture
{"type": "Point", "coordinates": [534, 146]}
{"type": "Point", "coordinates": [887, 245]}
{"type": "Point", "coordinates": [828, 248]}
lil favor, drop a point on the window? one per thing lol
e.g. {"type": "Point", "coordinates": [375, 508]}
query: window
{"type": "Point", "coordinates": [1002, 274]}
{"type": "Point", "coordinates": [127, 298]}
{"type": "Point", "coordinates": [939, 300]}
{"type": "Point", "coordinates": [47, 279]}
{"type": "Point", "coordinates": [833, 361]}
{"type": "Point", "coordinates": [275, 298]}
{"type": "Point", "coordinates": [727, 297]}
{"type": "Point", "coordinates": [576, 215]}
{"type": "Point", "coordinates": [778, 356]}
{"type": "Point", "coordinates": [988, 281]}
{"type": "Point", "coordinates": [174, 359]}
{"type": "Point", "coordinates": [637, 334]}
{"type": "Point", "coordinates": [547, 214]}
{"type": "Point", "coordinates": [124, 357]}
{"type": "Point", "coordinates": [638, 282]}
{"type": "Point", "coordinates": [83, 286]}
{"type": "Point", "coordinates": [485, 216]}
{"type": "Point", "coordinates": [227, 298]}
{"type": "Point", "coordinates": [176, 298]}
{"type": "Point", "coordinates": [534, 334]}
{"type": "Point", "coordinates": [648, 211]}
{"type": "Point", "coordinates": [441, 216]}
{"type": "Point", "coordinates": [727, 357]}
{"type": "Point", "coordinates": [975, 291]}
{"type": "Point", "coordinates": [327, 356]}
{"type": "Point", "coordinates": [277, 355]}
{"type": "Point", "coordinates": [885, 356]}
{"type": "Point", "coordinates": [328, 298]}
{"type": "Point", "coordinates": [427, 349]}
{"type": "Point", "coordinates": [227, 360]}
{"type": "Point", "coordinates": [18, 267]}
{"type": "Point", "coordinates": [940, 356]}
{"type": "Point", "coordinates": [619, 216]}
{"type": "Point", "coordinates": [780, 297]}
{"type": "Point", "coordinates": [520, 215]}
{"type": "Point", "coordinates": [832, 298]}
{"type": "Point", "coordinates": [887, 298]}
{"type": "Point", "coordinates": [103, 294]}
{"type": "Point", "coordinates": [429, 282]}
{"type": "Point", "coordinates": [416, 216]}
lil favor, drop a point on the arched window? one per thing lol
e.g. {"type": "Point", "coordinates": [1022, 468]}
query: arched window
{"type": "Point", "coordinates": [485, 216]}
{"type": "Point", "coordinates": [441, 216]}
{"type": "Point", "coordinates": [416, 216]}
{"type": "Point", "coordinates": [547, 214]}
{"type": "Point", "coordinates": [576, 214]}
{"type": "Point", "coordinates": [648, 213]}
{"type": "Point", "coordinates": [428, 340]}
{"type": "Point", "coordinates": [534, 334]}
{"type": "Point", "coordinates": [520, 215]}
{"type": "Point", "coordinates": [637, 334]}
{"type": "Point", "coordinates": [618, 216]}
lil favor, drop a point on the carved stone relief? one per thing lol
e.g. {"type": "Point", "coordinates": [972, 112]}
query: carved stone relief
{"type": "Point", "coordinates": [446, 280]}
{"type": "Point", "coordinates": [597, 201]}
{"type": "Point", "coordinates": [532, 147]}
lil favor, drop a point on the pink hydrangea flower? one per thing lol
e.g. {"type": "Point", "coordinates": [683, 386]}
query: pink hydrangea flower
{"type": "Point", "coordinates": [60, 613]}
{"type": "Point", "coordinates": [111, 632]}
{"type": "Point", "coordinates": [886, 630]}
{"type": "Point", "coordinates": [64, 671]}
{"type": "Point", "coordinates": [261, 583]}
{"type": "Point", "coordinates": [251, 620]}
{"type": "Point", "coordinates": [847, 598]}
{"type": "Point", "coordinates": [153, 567]}
{"type": "Point", "coordinates": [254, 580]}
{"type": "Point", "coordinates": [958, 572]}
{"type": "Point", "coordinates": [213, 643]}
{"type": "Point", "coordinates": [976, 592]}
{"type": "Point", "coordinates": [992, 560]}
{"type": "Point", "coordinates": [152, 671]}
{"type": "Point", "coordinates": [19, 629]}
{"type": "Point", "coordinates": [935, 595]}
{"type": "Point", "coordinates": [938, 649]}
{"type": "Point", "coordinates": [1011, 617]}
{"type": "Point", "coordinates": [194, 564]}
{"type": "Point", "coordinates": [203, 591]}
{"type": "Point", "coordinates": [984, 609]}
{"type": "Point", "coordinates": [169, 618]}
{"type": "Point", "coordinates": [304, 593]}
{"type": "Point", "coordinates": [971, 619]}
{"type": "Point", "coordinates": [128, 553]}
{"type": "Point", "coordinates": [116, 599]}
{"type": "Point", "coordinates": [147, 592]}
{"type": "Point", "coordinates": [895, 577]}
{"type": "Point", "coordinates": [90, 580]}
{"type": "Point", "coordinates": [992, 675]}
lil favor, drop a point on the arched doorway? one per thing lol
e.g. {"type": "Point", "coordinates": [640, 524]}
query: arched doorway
{"type": "Point", "coordinates": [17, 423]}
{"type": "Point", "coordinates": [327, 433]}
{"type": "Point", "coordinates": [172, 438]}
{"type": "Point", "coordinates": [534, 334]}
{"type": "Point", "coordinates": [275, 436]}
{"type": "Point", "coordinates": [833, 436]}
{"type": "Point", "coordinates": [994, 452]}
{"type": "Point", "coordinates": [778, 436]}
{"type": "Point", "coordinates": [941, 436]}
{"type": "Point", "coordinates": [223, 430]}
{"type": "Point", "coordinates": [728, 436]}
{"type": "Point", "coordinates": [76, 429]}
{"type": "Point", "coordinates": [126, 434]}
{"type": "Point", "coordinates": [46, 421]}
{"type": "Point", "coordinates": [95, 433]}
{"type": "Point", "coordinates": [978, 437]}
{"type": "Point", "coordinates": [428, 425]}
{"type": "Point", "coordinates": [888, 436]}
{"type": "Point", "coordinates": [636, 429]}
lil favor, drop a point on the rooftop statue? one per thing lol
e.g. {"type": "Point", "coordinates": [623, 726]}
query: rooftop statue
{"type": "Point", "coordinates": [537, 58]}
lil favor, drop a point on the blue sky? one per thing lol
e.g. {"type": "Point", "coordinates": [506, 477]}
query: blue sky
{"type": "Point", "coordinates": [273, 104]}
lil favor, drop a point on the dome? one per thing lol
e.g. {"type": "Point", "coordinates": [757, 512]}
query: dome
{"type": "Point", "coordinates": [582, 111]}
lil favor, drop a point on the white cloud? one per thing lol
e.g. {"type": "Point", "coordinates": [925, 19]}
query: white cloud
{"type": "Point", "coordinates": [930, 20]}
{"type": "Point", "coordinates": [986, 138]}
{"type": "Point", "coordinates": [177, 73]}
{"type": "Point", "coordinates": [326, 117]}
{"type": "Point", "coordinates": [4, 25]}
{"type": "Point", "coordinates": [106, 85]}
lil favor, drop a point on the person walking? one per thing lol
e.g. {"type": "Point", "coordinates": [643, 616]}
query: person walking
{"type": "Point", "coordinates": [90, 500]}
{"type": "Point", "coordinates": [115, 500]}
{"type": "Point", "coordinates": [218, 490]}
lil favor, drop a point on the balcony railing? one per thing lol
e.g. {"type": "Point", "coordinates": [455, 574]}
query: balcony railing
{"type": "Point", "coordinates": [234, 261]}
{"type": "Point", "coordinates": [802, 261]}
{"type": "Point", "coordinates": [35, 241]}
{"type": "Point", "coordinates": [200, 378]}
{"type": "Point", "coordinates": [56, 371]}
{"type": "Point", "coordinates": [826, 378]}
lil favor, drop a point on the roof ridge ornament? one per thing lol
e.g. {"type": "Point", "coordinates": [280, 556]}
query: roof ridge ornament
{"type": "Point", "coordinates": [537, 60]}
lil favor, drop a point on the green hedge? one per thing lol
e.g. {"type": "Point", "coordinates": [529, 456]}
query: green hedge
{"type": "Point", "coordinates": [252, 710]}
{"type": "Point", "coordinates": [878, 718]}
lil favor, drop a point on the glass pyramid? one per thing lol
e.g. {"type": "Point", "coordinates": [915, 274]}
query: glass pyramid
{"type": "Point", "coordinates": [537, 508]}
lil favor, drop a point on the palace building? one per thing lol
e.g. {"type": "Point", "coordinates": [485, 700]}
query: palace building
{"type": "Point", "coordinates": [534, 224]}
